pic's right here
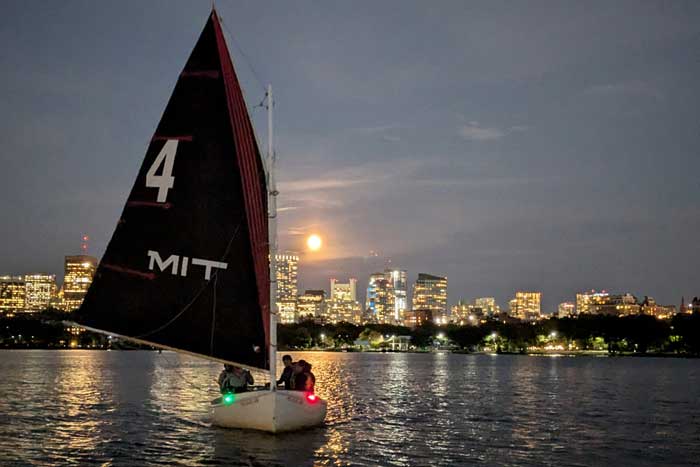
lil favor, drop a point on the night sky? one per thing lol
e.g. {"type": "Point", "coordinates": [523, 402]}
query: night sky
{"type": "Point", "coordinates": [548, 146]}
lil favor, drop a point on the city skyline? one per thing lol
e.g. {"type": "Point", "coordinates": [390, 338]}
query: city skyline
{"type": "Point", "coordinates": [556, 156]}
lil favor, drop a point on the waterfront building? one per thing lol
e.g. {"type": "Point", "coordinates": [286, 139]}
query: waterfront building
{"type": "Point", "coordinates": [311, 305]}
{"type": "Point", "coordinates": [79, 271]}
{"type": "Point", "coordinates": [343, 304]}
{"type": "Point", "coordinates": [488, 306]}
{"type": "Point", "coordinates": [430, 293]}
{"type": "Point", "coordinates": [616, 305]}
{"type": "Point", "coordinates": [695, 305]}
{"type": "Point", "coordinates": [40, 291]}
{"type": "Point", "coordinates": [566, 309]}
{"type": "Point", "coordinates": [287, 288]}
{"type": "Point", "coordinates": [465, 313]}
{"type": "Point", "coordinates": [399, 289]}
{"type": "Point", "coordinates": [585, 300]}
{"type": "Point", "coordinates": [527, 306]}
{"type": "Point", "coordinates": [651, 308]}
{"type": "Point", "coordinates": [380, 299]}
{"type": "Point", "coordinates": [12, 294]}
{"type": "Point", "coordinates": [413, 318]}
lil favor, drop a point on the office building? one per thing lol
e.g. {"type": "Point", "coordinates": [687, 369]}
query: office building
{"type": "Point", "coordinates": [12, 294]}
{"type": "Point", "coordinates": [527, 306]}
{"type": "Point", "coordinates": [430, 293]}
{"type": "Point", "coordinates": [40, 291]}
{"type": "Point", "coordinates": [79, 271]}
{"type": "Point", "coordinates": [311, 305]}
{"type": "Point", "coordinates": [287, 288]}
{"type": "Point", "coordinates": [399, 289]}
{"type": "Point", "coordinates": [343, 304]}
{"type": "Point", "coordinates": [380, 299]}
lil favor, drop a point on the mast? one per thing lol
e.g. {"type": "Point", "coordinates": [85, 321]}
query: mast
{"type": "Point", "coordinates": [272, 233]}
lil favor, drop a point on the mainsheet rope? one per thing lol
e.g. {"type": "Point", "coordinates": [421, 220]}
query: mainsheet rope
{"type": "Point", "coordinates": [204, 286]}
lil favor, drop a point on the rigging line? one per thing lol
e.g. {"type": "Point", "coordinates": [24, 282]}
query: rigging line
{"type": "Point", "coordinates": [213, 318]}
{"type": "Point", "coordinates": [240, 50]}
{"type": "Point", "coordinates": [182, 376]}
{"type": "Point", "coordinates": [204, 286]}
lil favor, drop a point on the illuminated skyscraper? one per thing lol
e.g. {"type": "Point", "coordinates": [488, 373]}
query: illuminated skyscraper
{"type": "Point", "coordinates": [79, 271]}
{"type": "Point", "coordinates": [12, 294]}
{"type": "Point", "coordinates": [311, 305]}
{"type": "Point", "coordinates": [527, 306]}
{"type": "Point", "coordinates": [380, 299]}
{"type": "Point", "coordinates": [40, 290]}
{"type": "Point", "coordinates": [399, 287]}
{"type": "Point", "coordinates": [430, 293]}
{"type": "Point", "coordinates": [343, 304]}
{"type": "Point", "coordinates": [287, 269]}
{"type": "Point", "coordinates": [344, 291]}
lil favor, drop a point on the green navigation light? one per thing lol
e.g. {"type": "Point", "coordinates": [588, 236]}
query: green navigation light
{"type": "Point", "coordinates": [229, 399]}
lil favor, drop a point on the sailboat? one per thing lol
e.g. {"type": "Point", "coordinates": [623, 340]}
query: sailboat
{"type": "Point", "coordinates": [191, 264]}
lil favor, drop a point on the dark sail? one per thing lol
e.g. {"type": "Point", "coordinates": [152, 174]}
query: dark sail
{"type": "Point", "coordinates": [187, 266]}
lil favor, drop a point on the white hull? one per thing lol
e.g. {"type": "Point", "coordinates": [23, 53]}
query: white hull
{"type": "Point", "coordinates": [273, 412]}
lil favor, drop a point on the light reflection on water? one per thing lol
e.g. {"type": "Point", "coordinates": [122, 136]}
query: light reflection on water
{"type": "Point", "coordinates": [146, 408]}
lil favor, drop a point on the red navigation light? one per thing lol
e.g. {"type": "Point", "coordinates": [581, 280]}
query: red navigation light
{"type": "Point", "coordinates": [312, 398]}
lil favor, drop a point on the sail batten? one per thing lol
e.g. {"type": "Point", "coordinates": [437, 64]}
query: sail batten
{"type": "Point", "coordinates": [187, 265]}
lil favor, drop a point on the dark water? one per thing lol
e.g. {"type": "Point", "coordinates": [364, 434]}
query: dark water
{"type": "Point", "coordinates": [145, 408]}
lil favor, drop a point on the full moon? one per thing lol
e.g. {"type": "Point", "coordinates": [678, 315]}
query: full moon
{"type": "Point", "coordinates": [314, 242]}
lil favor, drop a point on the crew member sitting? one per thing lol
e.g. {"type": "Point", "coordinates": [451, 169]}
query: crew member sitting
{"type": "Point", "coordinates": [303, 379]}
{"type": "Point", "coordinates": [286, 377]}
{"type": "Point", "coordinates": [234, 379]}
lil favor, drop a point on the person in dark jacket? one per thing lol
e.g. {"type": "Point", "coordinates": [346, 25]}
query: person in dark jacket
{"type": "Point", "coordinates": [286, 377]}
{"type": "Point", "coordinates": [303, 379]}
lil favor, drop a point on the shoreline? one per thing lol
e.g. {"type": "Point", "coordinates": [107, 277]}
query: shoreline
{"type": "Point", "coordinates": [567, 353]}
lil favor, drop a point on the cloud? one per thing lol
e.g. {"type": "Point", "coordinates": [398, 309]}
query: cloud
{"type": "Point", "coordinates": [472, 131]}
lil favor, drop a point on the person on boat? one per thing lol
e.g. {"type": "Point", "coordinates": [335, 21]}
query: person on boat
{"type": "Point", "coordinates": [234, 379]}
{"type": "Point", "coordinates": [303, 379]}
{"type": "Point", "coordinates": [286, 377]}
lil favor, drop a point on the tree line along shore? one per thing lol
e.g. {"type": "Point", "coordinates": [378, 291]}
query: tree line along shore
{"type": "Point", "coordinates": [627, 335]}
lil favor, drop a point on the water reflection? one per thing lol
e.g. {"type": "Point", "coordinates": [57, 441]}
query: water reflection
{"type": "Point", "coordinates": [145, 408]}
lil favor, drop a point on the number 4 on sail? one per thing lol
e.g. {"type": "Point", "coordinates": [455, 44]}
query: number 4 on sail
{"type": "Point", "coordinates": [188, 267]}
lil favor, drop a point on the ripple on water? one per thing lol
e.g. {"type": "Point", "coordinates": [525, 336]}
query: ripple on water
{"type": "Point", "coordinates": [145, 408]}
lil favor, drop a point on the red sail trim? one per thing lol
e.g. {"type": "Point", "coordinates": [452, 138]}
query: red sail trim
{"type": "Point", "coordinates": [145, 275]}
{"type": "Point", "coordinates": [252, 176]}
